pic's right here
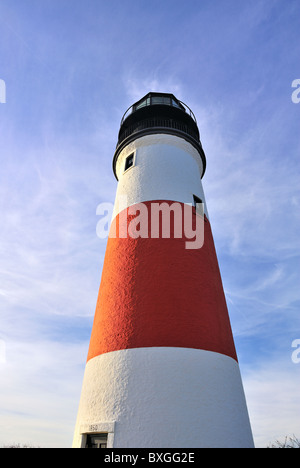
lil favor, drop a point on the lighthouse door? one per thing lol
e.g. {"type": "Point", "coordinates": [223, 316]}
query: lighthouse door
{"type": "Point", "coordinates": [96, 441]}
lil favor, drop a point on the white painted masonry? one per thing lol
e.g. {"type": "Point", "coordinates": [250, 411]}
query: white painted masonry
{"type": "Point", "coordinates": [200, 399]}
{"type": "Point", "coordinates": [166, 167]}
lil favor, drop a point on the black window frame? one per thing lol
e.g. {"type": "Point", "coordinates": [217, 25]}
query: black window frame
{"type": "Point", "coordinates": [130, 158]}
{"type": "Point", "coordinates": [89, 437]}
{"type": "Point", "coordinates": [198, 200]}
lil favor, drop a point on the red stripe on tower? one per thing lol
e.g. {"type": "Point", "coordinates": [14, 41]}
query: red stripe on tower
{"type": "Point", "coordinates": [155, 292]}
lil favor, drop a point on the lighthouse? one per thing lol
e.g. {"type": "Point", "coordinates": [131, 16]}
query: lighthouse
{"type": "Point", "coordinates": [162, 369]}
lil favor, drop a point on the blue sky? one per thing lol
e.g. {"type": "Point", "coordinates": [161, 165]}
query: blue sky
{"type": "Point", "coordinates": [71, 70]}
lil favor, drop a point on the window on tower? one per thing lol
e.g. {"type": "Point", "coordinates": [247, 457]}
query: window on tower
{"type": "Point", "coordinates": [145, 102]}
{"type": "Point", "coordinates": [129, 162]}
{"type": "Point", "coordinates": [96, 440]}
{"type": "Point", "coordinates": [198, 204]}
{"type": "Point", "coordinates": [166, 100]}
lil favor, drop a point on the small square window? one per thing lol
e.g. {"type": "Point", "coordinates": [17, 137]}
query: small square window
{"type": "Point", "coordinates": [198, 204]}
{"type": "Point", "coordinates": [96, 440]}
{"type": "Point", "coordinates": [129, 161]}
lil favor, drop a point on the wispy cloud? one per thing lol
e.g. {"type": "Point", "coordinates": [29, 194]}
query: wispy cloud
{"type": "Point", "coordinates": [272, 392]}
{"type": "Point", "coordinates": [45, 376]}
{"type": "Point", "coordinates": [250, 198]}
{"type": "Point", "coordinates": [51, 262]}
{"type": "Point", "coordinates": [137, 84]}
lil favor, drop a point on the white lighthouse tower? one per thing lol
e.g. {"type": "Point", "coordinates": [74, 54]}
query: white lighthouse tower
{"type": "Point", "coordinates": [162, 369]}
